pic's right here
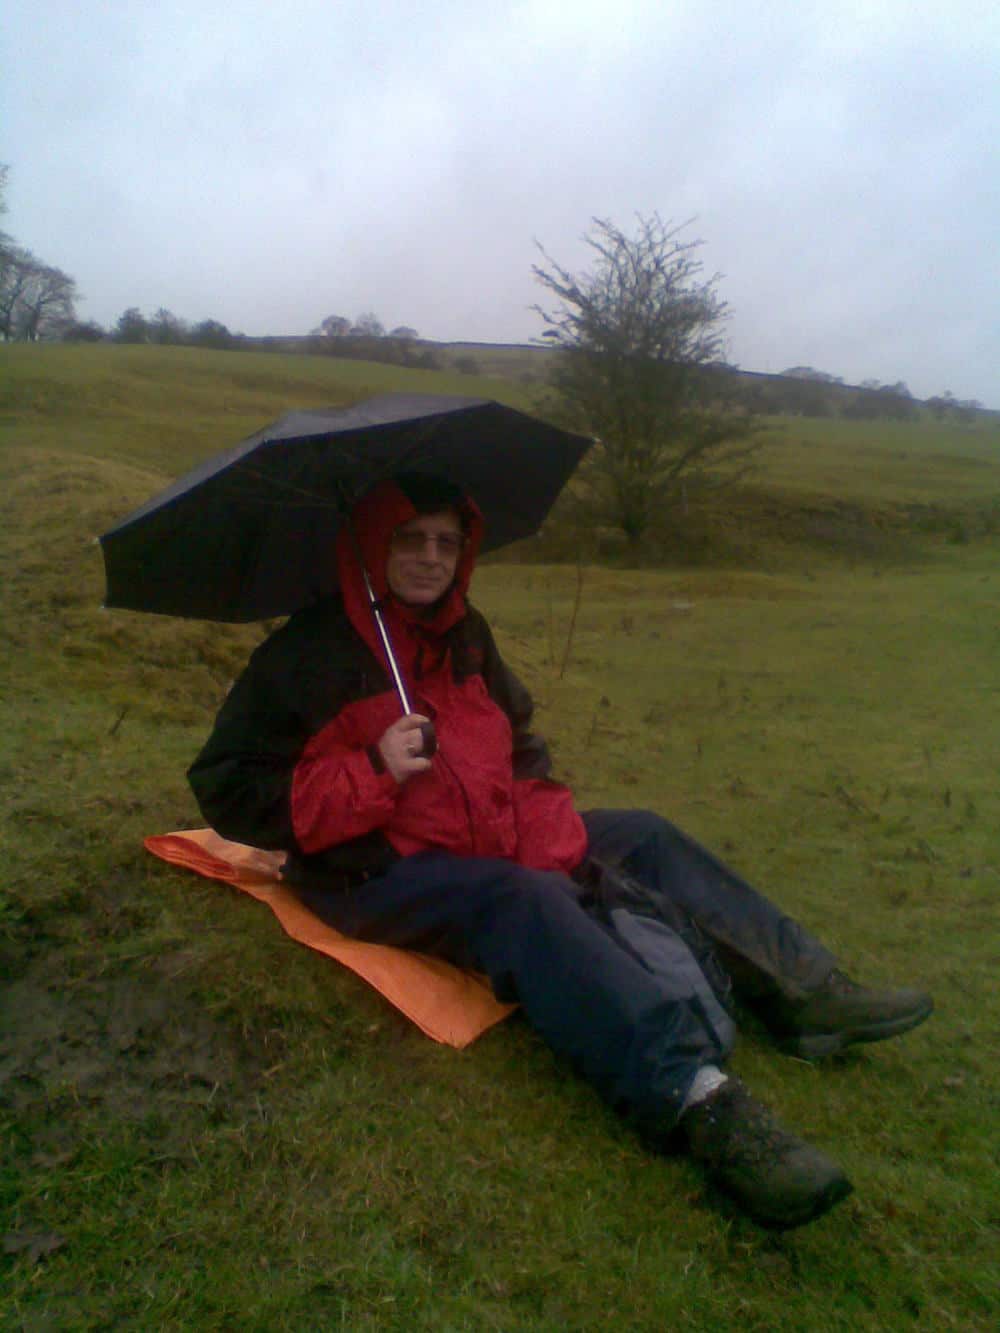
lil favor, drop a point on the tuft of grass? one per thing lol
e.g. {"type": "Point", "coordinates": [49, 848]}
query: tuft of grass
{"type": "Point", "coordinates": [205, 1125]}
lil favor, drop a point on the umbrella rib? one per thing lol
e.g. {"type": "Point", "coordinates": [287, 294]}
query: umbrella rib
{"type": "Point", "coordinates": [314, 499]}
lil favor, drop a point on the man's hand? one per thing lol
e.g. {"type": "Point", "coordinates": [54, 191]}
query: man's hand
{"type": "Point", "coordinates": [401, 746]}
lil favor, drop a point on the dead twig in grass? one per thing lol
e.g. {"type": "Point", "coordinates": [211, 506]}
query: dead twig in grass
{"type": "Point", "coordinates": [572, 620]}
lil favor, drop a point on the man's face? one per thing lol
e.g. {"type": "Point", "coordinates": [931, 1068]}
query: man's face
{"type": "Point", "coordinates": [423, 556]}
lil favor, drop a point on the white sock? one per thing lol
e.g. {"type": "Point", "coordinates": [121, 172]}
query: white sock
{"type": "Point", "coordinates": [707, 1079]}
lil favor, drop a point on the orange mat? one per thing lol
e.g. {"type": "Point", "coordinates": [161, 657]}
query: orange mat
{"type": "Point", "coordinates": [450, 1005]}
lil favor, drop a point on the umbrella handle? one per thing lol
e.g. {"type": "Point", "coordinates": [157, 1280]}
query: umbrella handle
{"type": "Point", "coordinates": [428, 741]}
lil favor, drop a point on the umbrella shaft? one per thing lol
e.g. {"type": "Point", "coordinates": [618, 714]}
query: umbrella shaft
{"type": "Point", "coordinates": [380, 625]}
{"type": "Point", "coordinates": [390, 655]}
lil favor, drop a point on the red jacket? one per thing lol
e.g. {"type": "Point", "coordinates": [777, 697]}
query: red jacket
{"type": "Point", "coordinates": [468, 803]}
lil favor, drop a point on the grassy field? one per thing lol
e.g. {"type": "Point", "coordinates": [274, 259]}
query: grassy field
{"type": "Point", "coordinates": [206, 1126]}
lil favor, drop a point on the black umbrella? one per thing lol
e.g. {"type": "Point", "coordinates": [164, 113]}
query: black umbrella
{"type": "Point", "coordinates": [250, 534]}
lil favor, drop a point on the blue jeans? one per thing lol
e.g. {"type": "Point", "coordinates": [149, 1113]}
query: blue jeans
{"type": "Point", "coordinates": [639, 1038]}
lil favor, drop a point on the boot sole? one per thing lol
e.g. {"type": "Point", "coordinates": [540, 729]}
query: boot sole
{"type": "Point", "coordinates": [820, 1045]}
{"type": "Point", "coordinates": [834, 1193]}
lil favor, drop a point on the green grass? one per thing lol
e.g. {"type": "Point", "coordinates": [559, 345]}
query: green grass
{"type": "Point", "coordinates": [206, 1126]}
{"type": "Point", "coordinates": [881, 462]}
{"type": "Point", "coordinates": [170, 407]}
{"type": "Point", "coordinates": [521, 364]}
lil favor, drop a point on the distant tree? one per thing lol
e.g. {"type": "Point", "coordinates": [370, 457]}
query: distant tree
{"type": "Point", "coordinates": [398, 346]}
{"type": "Point", "coordinates": [426, 359]}
{"type": "Point", "coordinates": [966, 409]}
{"type": "Point", "coordinates": [946, 406]}
{"type": "Point", "coordinates": [88, 331]}
{"type": "Point", "coordinates": [636, 334]}
{"type": "Point", "coordinates": [17, 267]}
{"type": "Point", "coordinates": [46, 304]}
{"type": "Point", "coordinates": [896, 406]}
{"type": "Point", "coordinates": [367, 325]}
{"type": "Point", "coordinates": [886, 402]}
{"type": "Point", "coordinates": [5, 240]}
{"type": "Point", "coordinates": [36, 299]}
{"type": "Point", "coordinates": [132, 327]}
{"type": "Point", "coordinates": [367, 340]}
{"type": "Point", "coordinates": [166, 328]}
{"type": "Point", "coordinates": [810, 373]}
{"type": "Point", "coordinates": [335, 326]}
{"type": "Point", "coordinates": [210, 333]}
{"type": "Point", "coordinates": [795, 395]}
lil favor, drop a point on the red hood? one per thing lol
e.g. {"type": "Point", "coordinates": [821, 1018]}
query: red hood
{"type": "Point", "coordinates": [375, 517]}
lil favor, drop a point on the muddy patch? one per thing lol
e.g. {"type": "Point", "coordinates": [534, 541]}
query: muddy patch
{"type": "Point", "coordinates": [132, 1046]}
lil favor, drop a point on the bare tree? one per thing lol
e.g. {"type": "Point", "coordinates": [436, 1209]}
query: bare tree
{"type": "Point", "coordinates": [4, 178]}
{"type": "Point", "coordinates": [167, 328]}
{"type": "Point", "coordinates": [47, 304]}
{"type": "Point", "coordinates": [640, 338]}
{"type": "Point", "coordinates": [368, 325]}
{"type": "Point", "coordinates": [335, 326]}
{"type": "Point", "coordinates": [16, 269]}
{"type": "Point", "coordinates": [36, 299]}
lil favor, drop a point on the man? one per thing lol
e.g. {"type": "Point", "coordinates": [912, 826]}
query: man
{"type": "Point", "coordinates": [617, 934]}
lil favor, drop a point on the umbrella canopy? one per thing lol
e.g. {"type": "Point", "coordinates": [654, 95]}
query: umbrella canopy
{"type": "Point", "coordinates": [250, 534]}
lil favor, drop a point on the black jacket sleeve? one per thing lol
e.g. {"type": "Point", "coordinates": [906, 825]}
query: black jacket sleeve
{"type": "Point", "coordinates": [242, 779]}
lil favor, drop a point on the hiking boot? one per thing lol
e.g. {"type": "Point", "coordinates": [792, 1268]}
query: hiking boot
{"type": "Point", "coordinates": [840, 1013]}
{"type": "Point", "coordinates": [775, 1177]}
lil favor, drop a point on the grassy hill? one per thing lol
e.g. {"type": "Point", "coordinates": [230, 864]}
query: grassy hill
{"type": "Point", "coordinates": [207, 1126]}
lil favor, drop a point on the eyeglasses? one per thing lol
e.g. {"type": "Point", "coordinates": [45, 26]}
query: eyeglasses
{"type": "Point", "coordinates": [413, 542]}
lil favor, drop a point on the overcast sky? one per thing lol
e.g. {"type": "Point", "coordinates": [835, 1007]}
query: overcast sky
{"type": "Point", "coordinates": [267, 164]}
